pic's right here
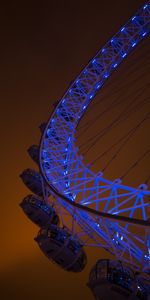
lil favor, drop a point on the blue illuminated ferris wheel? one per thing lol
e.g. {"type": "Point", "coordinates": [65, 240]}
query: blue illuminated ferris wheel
{"type": "Point", "coordinates": [76, 207]}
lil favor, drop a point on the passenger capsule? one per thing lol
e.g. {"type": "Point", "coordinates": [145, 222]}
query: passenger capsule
{"type": "Point", "coordinates": [143, 287]}
{"type": "Point", "coordinates": [33, 180]}
{"type": "Point", "coordinates": [34, 153]}
{"type": "Point", "coordinates": [62, 248]}
{"type": "Point", "coordinates": [39, 212]}
{"type": "Point", "coordinates": [112, 280]}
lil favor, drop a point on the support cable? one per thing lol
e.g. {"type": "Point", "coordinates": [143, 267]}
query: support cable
{"type": "Point", "coordinates": [115, 91]}
{"type": "Point", "coordinates": [147, 179]}
{"type": "Point", "coordinates": [125, 142]}
{"type": "Point", "coordinates": [135, 164]}
{"type": "Point", "coordinates": [128, 135]}
{"type": "Point", "coordinates": [101, 114]}
{"type": "Point", "coordinates": [122, 117]}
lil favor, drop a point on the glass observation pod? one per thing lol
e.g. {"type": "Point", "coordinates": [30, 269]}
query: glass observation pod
{"type": "Point", "coordinates": [62, 248]}
{"type": "Point", "coordinates": [33, 151]}
{"type": "Point", "coordinates": [33, 180]}
{"type": "Point", "coordinates": [112, 280]}
{"type": "Point", "coordinates": [143, 285]}
{"type": "Point", "coordinates": [38, 212]}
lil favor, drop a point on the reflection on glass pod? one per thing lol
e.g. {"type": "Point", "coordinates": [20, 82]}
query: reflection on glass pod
{"type": "Point", "coordinates": [143, 287]}
{"type": "Point", "coordinates": [34, 153]}
{"type": "Point", "coordinates": [62, 248]}
{"type": "Point", "coordinates": [33, 180]}
{"type": "Point", "coordinates": [112, 280]}
{"type": "Point", "coordinates": [39, 212]}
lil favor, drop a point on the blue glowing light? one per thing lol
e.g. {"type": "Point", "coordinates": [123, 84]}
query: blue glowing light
{"type": "Point", "coordinates": [133, 18]}
{"type": "Point", "coordinates": [144, 33]}
{"type": "Point", "coordinates": [147, 257]}
{"type": "Point", "coordinates": [74, 197]}
{"type": "Point", "coordinates": [106, 75]}
{"type": "Point", "coordinates": [44, 153]}
{"type": "Point", "coordinates": [122, 29]}
{"type": "Point", "coordinates": [91, 96]}
{"type": "Point", "coordinates": [98, 85]}
{"type": "Point", "coordinates": [103, 50]}
{"type": "Point", "coordinates": [115, 65]}
{"type": "Point", "coordinates": [124, 55]}
{"type": "Point", "coordinates": [48, 132]}
{"type": "Point", "coordinates": [134, 44]}
{"type": "Point", "coordinates": [145, 6]}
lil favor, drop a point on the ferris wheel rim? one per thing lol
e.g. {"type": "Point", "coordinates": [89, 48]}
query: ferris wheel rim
{"type": "Point", "coordinates": [140, 255]}
{"type": "Point", "coordinates": [110, 182]}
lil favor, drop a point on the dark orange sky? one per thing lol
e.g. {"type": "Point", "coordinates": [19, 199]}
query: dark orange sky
{"type": "Point", "coordinates": [43, 47]}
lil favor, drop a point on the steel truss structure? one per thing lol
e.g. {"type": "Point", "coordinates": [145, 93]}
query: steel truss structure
{"type": "Point", "coordinates": [104, 210]}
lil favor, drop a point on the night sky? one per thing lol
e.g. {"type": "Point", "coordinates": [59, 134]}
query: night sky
{"type": "Point", "coordinates": [43, 48]}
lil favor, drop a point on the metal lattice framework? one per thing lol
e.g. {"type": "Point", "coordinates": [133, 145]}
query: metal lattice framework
{"type": "Point", "coordinates": [104, 209]}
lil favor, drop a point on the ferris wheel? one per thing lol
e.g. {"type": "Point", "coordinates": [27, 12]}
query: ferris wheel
{"type": "Point", "coordinates": [76, 207]}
